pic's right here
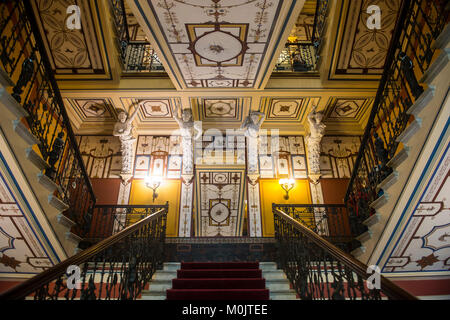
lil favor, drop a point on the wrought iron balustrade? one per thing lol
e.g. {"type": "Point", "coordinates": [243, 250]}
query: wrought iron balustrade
{"type": "Point", "coordinates": [320, 18]}
{"type": "Point", "coordinates": [108, 220]}
{"type": "Point", "coordinates": [410, 54]}
{"type": "Point", "coordinates": [118, 267]}
{"type": "Point", "coordinates": [24, 60]}
{"type": "Point", "coordinates": [329, 221]}
{"type": "Point", "coordinates": [136, 56]}
{"type": "Point", "coordinates": [318, 270]}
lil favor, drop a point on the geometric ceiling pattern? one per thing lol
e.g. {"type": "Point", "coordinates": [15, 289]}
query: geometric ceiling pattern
{"type": "Point", "coordinates": [220, 110]}
{"type": "Point", "coordinates": [216, 43]}
{"type": "Point", "coordinates": [347, 109]}
{"type": "Point", "coordinates": [151, 109]}
{"type": "Point", "coordinates": [286, 109]}
{"type": "Point", "coordinates": [360, 52]}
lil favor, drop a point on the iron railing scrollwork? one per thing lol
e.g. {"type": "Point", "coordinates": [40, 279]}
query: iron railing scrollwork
{"type": "Point", "coordinates": [303, 56]}
{"type": "Point", "coordinates": [318, 270]}
{"type": "Point", "coordinates": [118, 267]}
{"type": "Point", "coordinates": [330, 221]}
{"type": "Point", "coordinates": [136, 56]}
{"type": "Point", "coordinates": [297, 57]}
{"type": "Point", "coordinates": [108, 220]}
{"type": "Point", "coordinates": [410, 55]}
{"type": "Point", "coordinates": [23, 57]}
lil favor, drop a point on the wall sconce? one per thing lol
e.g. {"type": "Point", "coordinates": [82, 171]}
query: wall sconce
{"type": "Point", "coordinates": [153, 182]}
{"type": "Point", "coordinates": [287, 185]}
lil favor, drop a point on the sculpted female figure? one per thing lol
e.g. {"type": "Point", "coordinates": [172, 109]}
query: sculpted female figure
{"type": "Point", "coordinates": [187, 128]}
{"type": "Point", "coordinates": [251, 125]}
{"type": "Point", "coordinates": [124, 130]}
{"type": "Point", "coordinates": [317, 131]}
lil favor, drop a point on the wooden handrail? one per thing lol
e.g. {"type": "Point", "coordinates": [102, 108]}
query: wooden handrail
{"type": "Point", "coordinates": [25, 288]}
{"type": "Point", "coordinates": [390, 289]}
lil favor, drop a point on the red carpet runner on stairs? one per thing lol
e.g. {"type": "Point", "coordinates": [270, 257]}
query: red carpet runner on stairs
{"type": "Point", "coordinates": [218, 281]}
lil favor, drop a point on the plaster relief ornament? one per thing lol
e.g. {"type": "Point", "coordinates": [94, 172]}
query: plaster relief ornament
{"type": "Point", "coordinates": [313, 142]}
{"type": "Point", "coordinates": [124, 130]}
{"type": "Point", "coordinates": [251, 125]}
{"type": "Point", "coordinates": [187, 129]}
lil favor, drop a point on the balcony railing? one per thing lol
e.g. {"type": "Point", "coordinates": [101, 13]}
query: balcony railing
{"type": "Point", "coordinates": [23, 58]}
{"type": "Point", "coordinates": [318, 270]}
{"type": "Point", "coordinates": [409, 56]}
{"type": "Point", "coordinates": [136, 56]}
{"type": "Point", "coordinates": [297, 57]}
{"type": "Point", "coordinates": [329, 221]}
{"type": "Point", "coordinates": [116, 268]}
{"type": "Point", "coordinates": [108, 220]}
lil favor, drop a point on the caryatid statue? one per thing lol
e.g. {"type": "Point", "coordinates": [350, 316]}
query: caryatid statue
{"type": "Point", "coordinates": [313, 142]}
{"type": "Point", "coordinates": [251, 127]}
{"type": "Point", "coordinates": [124, 130]}
{"type": "Point", "coordinates": [187, 128]}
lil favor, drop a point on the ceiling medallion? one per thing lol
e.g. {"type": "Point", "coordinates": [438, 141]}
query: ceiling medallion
{"type": "Point", "coordinates": [219, 212]}
{"type": "Point", "coordinates": [212, 46]}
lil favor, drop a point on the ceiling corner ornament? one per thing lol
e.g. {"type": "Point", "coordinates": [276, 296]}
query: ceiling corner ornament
{"type": "Point", "coordinates": [217, 43]}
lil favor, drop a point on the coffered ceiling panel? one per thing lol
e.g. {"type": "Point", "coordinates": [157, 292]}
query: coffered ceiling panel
{"type": "Point", "coordinates": [73, 53]}
{"type": "Point", "coordinates": [360, 52]}
{"type": "Point", "coordinates": [286, 109]}
{"type": "Point", "coordinates": [347, 109]}
{"type": "Point", "coordinates": [217, 43]}
{"type": "Point", "coordinates": [220, 110]}
{"type": "Point", "coordinates": [91, 111]}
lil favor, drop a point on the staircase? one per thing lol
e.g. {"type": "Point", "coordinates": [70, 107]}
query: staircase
{"type": "Point", "coordinates": [431, 111]}
{"type": "Point", "coordinates": [23, 145]}
{"type": "Point", "coordinates": [219, 281]}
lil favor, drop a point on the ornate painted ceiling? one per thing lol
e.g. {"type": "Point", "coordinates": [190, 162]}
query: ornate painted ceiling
{"type": "Point", "coordinates": [219, 56]}
{"type": "Point", "coordinates": [216, 43]}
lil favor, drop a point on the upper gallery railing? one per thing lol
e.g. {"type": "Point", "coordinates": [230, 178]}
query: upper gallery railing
{"type": "Point", "coordinates": [136, 56]}
{"type": "Point", "coordinates": [303, 56]}
{"type": "Point", "coordinates": [297, 57]}
{"type": "Point", "coordinates": [410, 55]}
{"type": "Point", "coordinates": [118, 267]}
{"type": "Point", "coordinates": [330, 221]}
{"type": "Point", "coordinates": [318, 270]}
{"type": "Point", "coordinates": [24, 59]}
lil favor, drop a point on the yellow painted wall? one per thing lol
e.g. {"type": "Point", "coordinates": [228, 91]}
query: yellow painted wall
{"type": "Point", "coordinates": [271, 192]}
{"type": "Point", "coordinates": [168, 191]}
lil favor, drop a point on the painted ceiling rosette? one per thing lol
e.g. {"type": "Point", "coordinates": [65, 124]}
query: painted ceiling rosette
{"type": "Point", "coordinates": [217, 43]}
